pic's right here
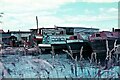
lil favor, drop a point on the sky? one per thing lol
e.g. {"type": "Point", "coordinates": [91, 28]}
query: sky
{"type": "Point", "coordinates": [21, 14]}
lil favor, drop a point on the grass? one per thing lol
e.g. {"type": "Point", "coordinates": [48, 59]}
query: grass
{"type": "Point", "coordinates": [78, 68]}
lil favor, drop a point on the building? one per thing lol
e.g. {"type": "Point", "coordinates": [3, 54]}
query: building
{"type": "Point", "coordinates": [21, 35]}
{"type": "Point", "coordinates": [4, 37]}
{"type": "Point", "coordinates": [14, 38]}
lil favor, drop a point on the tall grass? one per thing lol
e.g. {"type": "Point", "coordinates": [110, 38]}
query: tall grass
{"type": "Point", "coordinates": [81, 51]}
{"type": "Point", "coordinates": [99, 72]}
{"type": "Point", "coordinates": [109, 64]}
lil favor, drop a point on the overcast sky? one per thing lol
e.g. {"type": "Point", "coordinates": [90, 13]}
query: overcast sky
{"type": "Point", "coordinates": [20, 14]}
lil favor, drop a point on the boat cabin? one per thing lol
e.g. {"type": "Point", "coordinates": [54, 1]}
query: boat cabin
{"type": "Point", "coordinates": [102, 35]}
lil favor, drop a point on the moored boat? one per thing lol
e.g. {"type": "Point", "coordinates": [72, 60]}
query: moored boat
{"type": "Point", "coordinates": [78, 46]}
{"type": "Point", "coordinates": [103, 42]}
{"type": "Point", "coordinates": [53, 38]}
{"type": "Point", "coordinates": [60, 38]}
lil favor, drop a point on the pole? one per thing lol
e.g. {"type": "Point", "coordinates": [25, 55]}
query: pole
{"type": "Point", "coordinates": [37, 24]}
{"type": "Point", "coordinates": [37, 21]}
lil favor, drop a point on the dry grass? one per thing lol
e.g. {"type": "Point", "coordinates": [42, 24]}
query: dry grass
{"type": "Point", "coordinates": [81, 51]}
{"type": "Point", "coordinates": [74, 69]}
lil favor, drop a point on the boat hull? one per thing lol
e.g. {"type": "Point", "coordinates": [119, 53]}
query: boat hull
{"type": "Point", "coordinates": [59, 46]}
{"type": "Point", "coordinates": [100, 48]}
{"type": "Point", "coordinates": [75, 47]}
{"type": "Point", "coordinates": [56, 47]}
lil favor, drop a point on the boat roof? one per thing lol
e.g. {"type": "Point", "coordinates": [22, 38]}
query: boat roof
{"type": "Point", "coordinates": [42, 28]}
{"type": "Point", "coordinates": [77, 27]}
{"type": "Point", "coordinates": [19, 32]}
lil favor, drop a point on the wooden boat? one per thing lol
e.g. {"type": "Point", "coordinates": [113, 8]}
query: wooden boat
{"type": "Point", "coordinates": [104, 41]}
{"type": "Point", "coordinates": [76, 44]}
{"type": "Point", "coordinates": [52, 38]}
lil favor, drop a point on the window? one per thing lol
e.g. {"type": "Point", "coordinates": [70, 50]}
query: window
{"type": "Point", "coordinates": [75, 37]}
{"type": "Point", "coordinates": [24, 38]}
{"type": "Point", "coordinates": [97, 35]}
{"type": "Point", "coordinates": [69, 31]}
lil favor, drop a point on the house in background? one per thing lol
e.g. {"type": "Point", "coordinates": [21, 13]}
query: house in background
{"type": "Point", "coordinates": [1, 31]}
{"type": "Point", "coordinates": [14, 38]}
{"type": "Point", "coordinates": [20, 37]}
{"type": "Point", "coordinates": [4, 38]}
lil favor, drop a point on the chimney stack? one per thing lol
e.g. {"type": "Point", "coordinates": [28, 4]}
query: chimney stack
{"type": "Point", "coordinates": [113, 30]}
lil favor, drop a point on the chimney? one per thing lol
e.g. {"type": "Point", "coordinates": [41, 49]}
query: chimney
{"type": "Point", "coordinates": [8, 30]}
{"type": "Point", "coordinates": [113, 30]}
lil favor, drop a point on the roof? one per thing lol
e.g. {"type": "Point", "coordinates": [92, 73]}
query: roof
{"type": "Point", "coordinates": [117, 30]}
{"type": "Point", "coordinates": [19, 32]}
{"type": "Point", "coordinates": [42, 28]}
{"type": "Point", "coordinates": [77, 28]}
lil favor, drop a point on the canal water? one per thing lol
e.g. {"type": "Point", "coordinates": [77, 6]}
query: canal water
{"type": "Point", "coordinates": [48, 66]}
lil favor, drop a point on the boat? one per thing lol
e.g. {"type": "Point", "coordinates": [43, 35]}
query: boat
{"type": "Point", "coordinates": [103, 42]}
{"type": "Point", "coordinates": [77, 45]}
{"type": "Point", "coordinates": [49, 38]}
{"type": "Point", "coordinates": [77, 40]}
{"type": "Point", "coordinates": [61, 38]}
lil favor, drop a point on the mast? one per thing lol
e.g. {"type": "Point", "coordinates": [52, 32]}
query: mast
{"type": "Point", "coordinates": [37, 24]}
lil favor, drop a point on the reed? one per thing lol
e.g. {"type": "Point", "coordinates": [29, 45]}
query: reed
{"type": "Point", "coordinates": [110, 52]}
{"type": "Point", "coordinates": [93, 57]}
{"type": "Point", "coordinates": [109, 56]}
{"type": "Point", "coordinates": [107, 48]}
{"type": "Point", "coordinates": [53, 56]}
{"type": "Point", "coordinates": [39, 65]}
{"type": "Point", "coordinates": [38, 49]}
{"type": "Point", "coordinates": [69, 54]}
{"type": "Point", "coordinates": [117, 54]}
{"type": "Point", "coordinates": [53, 51]}
{"type": "Point", "coordinates": [115, 45]}
{"type": "Point", "coordinates": [81, 51]}
{"type": "Point", "coordinates": [109, 64]}
{"type": "Point", "coordinates": [75, 66]}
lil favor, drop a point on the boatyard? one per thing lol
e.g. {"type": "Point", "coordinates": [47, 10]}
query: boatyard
{"type": "Point", "coordinates": [59, 39]}
{"type": "Point", "coordinates": [64, 55]}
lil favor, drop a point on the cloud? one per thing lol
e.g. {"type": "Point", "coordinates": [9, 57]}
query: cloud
{"type": "Point", "coordinates": [90, 18]}
{"type": "Point", "coordinates": [29, 5]}
{"type": "Point", "coordinates": [110, 13]}
{"type": "Point", "coordinates": [20, 14]}
{"type": "Point", "coordinates": [28, 20]}
{"type": "Point", "coordinates": [113, 10]}
{"type": "Point", "coordinates": [106, 10]}
{"type": "Point", "coordinates": [25, 21]}
{"type": "Point", "coordinates": [87, 11]}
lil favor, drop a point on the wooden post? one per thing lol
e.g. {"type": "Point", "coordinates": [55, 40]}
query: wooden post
{"type": "Point", "coordinates": [37, 21]}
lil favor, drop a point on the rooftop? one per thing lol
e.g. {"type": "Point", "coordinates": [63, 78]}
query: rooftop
{"type": "Point", "coordinates": [77, 27]}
